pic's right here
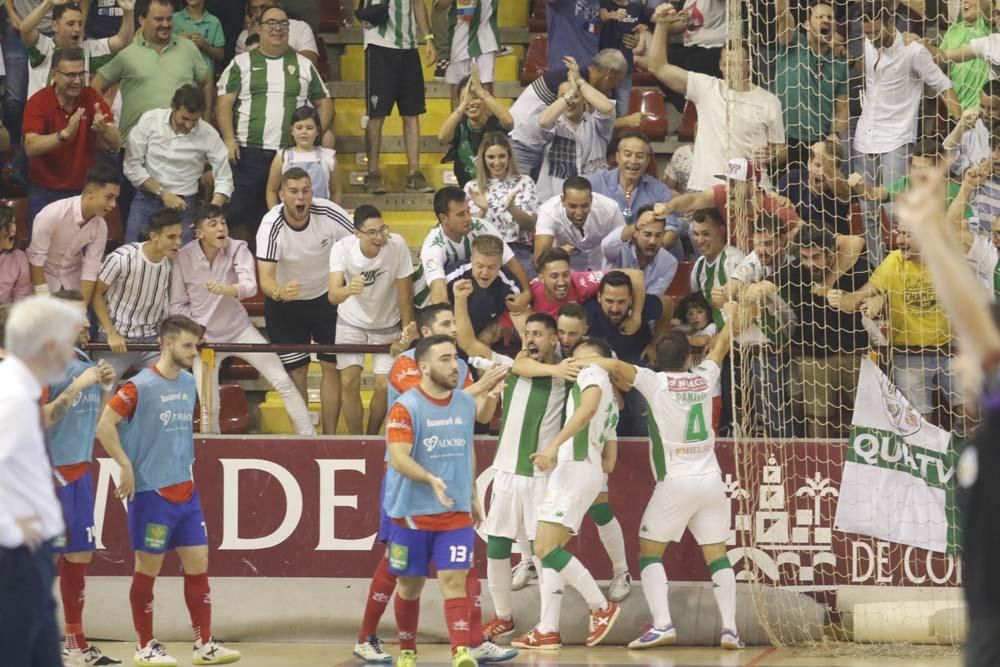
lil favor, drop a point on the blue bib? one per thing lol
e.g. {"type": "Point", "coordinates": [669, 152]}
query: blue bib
{"type": "Point", "coordinates": [71, 439]}
{"type": "Point", "coordinates": [463, 371]}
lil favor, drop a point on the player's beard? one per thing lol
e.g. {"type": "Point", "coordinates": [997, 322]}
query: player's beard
{"type": "Point", "coordinates": [445, 381]}
{"type": "Point", "coordinates": [181, 363]}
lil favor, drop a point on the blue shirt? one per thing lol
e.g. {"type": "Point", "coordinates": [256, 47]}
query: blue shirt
{"type": "Point", "coordinates": [574, 30]}
{"type": "Point", "coordinates": [628, 348]}
{"type": "Point", "coordinates": [648, 191]}
{"type": "Point", "coordinates": [71, 439]}
{"type": "Point", "coordinates": [621, 255]}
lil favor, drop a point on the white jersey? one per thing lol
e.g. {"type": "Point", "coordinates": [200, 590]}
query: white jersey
{"type": "Point", "coordinates": [681, 439]}
{"type": "Point", "coordinates": [532, 415]}
{"type": "Point", "coordinates": [588, 443]}
{"type": "Point", "coordinates": [377, 307]}
{"type": "Point", "coordinates": [96, 52]}
{"type": "Point", "coordinates": [439, 256]}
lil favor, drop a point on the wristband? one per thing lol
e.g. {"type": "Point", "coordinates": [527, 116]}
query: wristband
{"type": "Point", "coordinates": [429, 38]}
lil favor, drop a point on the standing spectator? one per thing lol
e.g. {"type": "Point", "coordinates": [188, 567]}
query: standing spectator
{"type": "Point", "coordinates": [306, 153]}
{"type": "Point", "coordinates": [969, 143]}
{"type": "Point", "coordinates": [204, 29]}
{"type": "Point", "coordinates": [718, 260]}
{"type": "Point", "coordinates": [972, 22]}
{"type": "Point", "coordinates": [574, 28]}
{"type": "Point", "coordinates": [504, 198]}
{"type": "Point", "coordinates": [66, 125]}
{"type": "Point", "coordinates": [67, 26]}
{"type": "Point", "coordinates": [735, 117]}
{"type": "Point", "coordinates": [639, 245]}
{"type": "Point", "coordinates": [820, 193]}
{"type": "Point", "coordinates": [104, 17]}
{"type": "Point", "coordinates": [15, 275]}
{"type": "Point", "coordinates": [69, 240]}
{"type": "Point", "coordinates": [293, 261]}
{"type": "Point", "coordinates": [15, 62]}
{"type": "Point", "coordinates": [232, 16]}
{"type": "Point", "coordinates": [370, 280]}
{"type": "Point", "coordinates": [703, 23]}
{"type": "Point", "coordinates": [255, 111]}
{"type": "Point", "coordinates": [478, 113]}
{"type": "Point", "coordinates": [394, 77]}
{"type": "Point", "coordinates": [40, 335]}
{"type": "Point", "coordinates": [210, 277]}
{"type": "Point", "coordinates": [133, 292]}
{"type": "Point", "coordinates": [300, 35]}
{"type": "Point", "coordinates": [165, 158]}
{"type": "Point", "coordinates": [475, 42]}
{"type": "Point", "coordinates": [577, 221]}
{"type": "Point", "coordinates": [622, 21]}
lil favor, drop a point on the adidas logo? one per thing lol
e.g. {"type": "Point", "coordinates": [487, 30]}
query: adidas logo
{"type": "Point", "coordinates": [380, 597]}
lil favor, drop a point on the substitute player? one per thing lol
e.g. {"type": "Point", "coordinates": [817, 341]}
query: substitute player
{"type": "Point", "coordinates": [146, 428]}
{"type": "Point", "coordinates": [584, 449]}
{"type": "Point", "coordinates": [71, 410]}
{"type": "Point", "coordinates": [689, 491]}
{"type": "Point", "coordinates": [431, 497]}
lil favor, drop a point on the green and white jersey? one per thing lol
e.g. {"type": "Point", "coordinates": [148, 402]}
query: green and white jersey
{"type": "Point", "coordinates": [532, 415]}
{"type": "Point", "coordinates": [588, 443]}
{"type": "Point", "coordinates": [681, 439]}
{"type": "Point", "coordinates": [474, 29]}
{"type": "Point", "coordinates": [439, 256]}
{"type": "Point", "coordinates": [96, 52]}
{"type": "Point", "coordinates": [399, 32]}
{"type": "Point", "coordinates": [268, 90]}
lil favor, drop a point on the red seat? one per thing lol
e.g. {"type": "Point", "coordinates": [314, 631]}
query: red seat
{"type": "Point", "coordinates": [116, 233]}
{"type": "Point", "coordinates": [649, 101]}
{"type": "Point", "coordinates": [681, 285]}
{"type": "Point", "coordinates": [641, 77]}
{"type": "Point", "coordinates": [234, 368]}
{"type": "Point", "coordinates": [234, 411]}
{"type": "Point", "coordinates": [689, 123]}
{"type": "Point", "coordinates": [538, 22]}
{"type": "Point", "coordinates": [535, 59]}
{"type": "Point", "coordinates": [331, 18]}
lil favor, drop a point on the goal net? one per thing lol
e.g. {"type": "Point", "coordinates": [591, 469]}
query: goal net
{"type": "Point", "coordinates": [847, 424]}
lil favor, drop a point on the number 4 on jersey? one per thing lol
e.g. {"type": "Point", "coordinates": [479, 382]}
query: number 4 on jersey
{"type": "Point", "coordinates": [696, 429]}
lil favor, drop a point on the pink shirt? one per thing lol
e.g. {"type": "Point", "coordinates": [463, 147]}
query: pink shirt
{"type": "Point", "coordinates": [68, 247]}
{"type": "Point", "coordinates": [223, 317]}
{"type": "Point", "coordinates": [15, 277]}
{"type": "Point", "coordinates": [583, 286]}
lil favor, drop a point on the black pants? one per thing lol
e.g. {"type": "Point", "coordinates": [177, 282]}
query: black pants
{"type": "Point", "coordinates": [29, 634]}
{"type": "Point", "coordinates": [248, 204]}
{"type": "Point", "coordinates": [982, 642]}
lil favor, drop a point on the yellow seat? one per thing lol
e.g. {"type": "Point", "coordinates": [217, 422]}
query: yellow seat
{"type": "Point", "coordinates": [512, 14]}
{"type": "Point", "coordinates": [413, 226]}
{"type": "Point", "coordinates": [273, 418]}
{"type": "Point", "coordinates": [350, 111]}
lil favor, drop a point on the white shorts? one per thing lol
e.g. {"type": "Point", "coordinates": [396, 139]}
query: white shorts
{"type": "Point", "coordinates": [697, 503]}
{"type": "Point", "coordinates": [459, 69]}
{"type": "Point", "coordinates": [348, 334]}
{"type": "Point", "coordinates": [514, 504]}
{"type": "Point", "coordinates": [604, 487]}
{"type": "Point", "coordinates": [572, 488]}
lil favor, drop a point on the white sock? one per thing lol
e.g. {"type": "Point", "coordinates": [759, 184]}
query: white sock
{"type": "Point", "coordinates": [499, 575]}
{"type": "Point", "coordinates": [724, 588]}
{"type": "Point", "coordinates": [577, 576]}
{"type": "Point", "coordinates": [524, 546]}
{"type": "Point", "coordinates": [655, 588]}
{"type": "Point", "coordinates": [550, 589]}
{"type": "Point", "coordinates": [543, 600]}
{"type": "Point", "coordinates": [614, 543]}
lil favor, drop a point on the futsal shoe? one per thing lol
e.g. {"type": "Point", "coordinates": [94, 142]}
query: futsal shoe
{"type": "Point", "coordinates": [371, 651]}
{"type": "Point", "coordinates": [88, 657]}
{"type": "Point", "coordinates": [601, 622]}
{"type": "Point", "coordinates": [524, 574]}
{"type": "Point", "coordinates": [153, 654]}
{"type": "Point", "coordinates": [462, 658]}
{"type": "Point", "coordinates": [407, 658]}
{"type": "Point", "coordinates": [620, 587]}
{"type": "Point", "coordinates": [498, 627]}
{"type": "Point", "coordinates": [488, 651]}
{"type": "Point", "coordinates": [213, 652]}
{"type": "Point", "coordinates": [540, 641]}
{"type": "Point", "coordinates": [730, 640]}
{"type": "Point", "coordinates": [655, 637]}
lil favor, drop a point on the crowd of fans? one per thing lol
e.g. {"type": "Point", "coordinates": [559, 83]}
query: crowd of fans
{"type": "Point", "coordinates": [222, 166]}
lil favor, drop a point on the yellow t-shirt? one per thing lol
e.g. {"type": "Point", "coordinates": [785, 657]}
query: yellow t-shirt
{"type": "Point", "coordinates": [915, 318]}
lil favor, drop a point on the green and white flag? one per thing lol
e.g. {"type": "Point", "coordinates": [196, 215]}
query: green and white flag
{"type": "Point", "coordinates": [898, 481]}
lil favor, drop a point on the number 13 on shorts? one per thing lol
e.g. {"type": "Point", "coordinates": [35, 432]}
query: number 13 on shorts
{"type": "Point", "coordinates": [458, 553]}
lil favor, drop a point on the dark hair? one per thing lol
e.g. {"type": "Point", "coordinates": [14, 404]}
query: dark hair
{"type": "Point", "coordinates": [424, 345]}
{"type": "Point", "coordinates": [930, 148]}
{"type": "Point", "coordinates": [634, 134]}
{"type": "Point", "coordinates": [544, 319]}
{"type": "Point", "coordinates": [444, 198]}
{"type": "Point", "coordinates": [553, 254]}
{"type": "Point", "coordinates": [207, 212]}
{"type": "Point", "coordinates": [672, 351]}
{"type": "Point", "coordinates": [576, 183]}
{"type": "Point", "coordinates": [811, 236]}
{"type": "Point", "coordinates": [693, 300]}
{"type": "Point", "coordinates": [175, 324]}
{"type": "Point", "coordinates": [598, 344]}
{"type": "Point", "coordinates": [142, 6]}
{"type": "Point", "coordinates": [165, 217]}
{"type": "Point", "coordinates": [253, 40]}
{"type": "Point", "coordinates": [307, 112]}
{"type": "Point", "coordinates": [6, 216]}
{"type": "Point", "coordinates": [190, 97]}
{"type": "Point", "coordinates": [708, 215]}
{"type": "Point", "coordinates": [59, 10]}
{"type": "Point", "coordinates": [270, 7]}
{"type": "Point", "coordinates": [428, 314]}
{"type": "Point", "coordinates": [992, 88]}
{"type": "Point", "coordinates": [295, 174]}
{"type": "Point", "coordinates": [102, 174]}
{"type": "Point", "coordinates": [615, 279]}
{"type": "Point", "coordinates": [68, 295]}
{"type": "Point", "coordinates": [69, 54]}
{"type": "Point", "coordinates": [876, 10]}
{"type": "Point", "coordinates": [645, 208]}
{"type": "Point", "coordinates": [364, 213]}
{"type": "Point", "coordinates": [769, 223]}
{"type": "Point", "coordinates": [574, 310]}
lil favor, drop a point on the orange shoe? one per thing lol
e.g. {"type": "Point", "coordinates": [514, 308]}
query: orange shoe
{"type": "Point", "coordinates": [498, 627]}
{"type": "Point", "coordinates": [601, 622]}
{"type": "Point", "coordinates": [541, 641]}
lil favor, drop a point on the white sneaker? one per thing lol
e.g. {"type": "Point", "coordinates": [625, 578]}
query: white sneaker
{"type": "Point", "coordinates": [153, 654]}
{"type": "Point", "coordinates": [524, 573]}
{"type": "Point", "coordinates": [620, 587]}
{"type": "Point", "coordinates": [88, 657]}
{"type": "Point", "coordinates": [213, 652]}
{"type": "Point", "coordinates": [490, 652]}
{"type": "Point", "coordinates": [371, 650]}
{"type": "Point", "coordinates": [730, 640]}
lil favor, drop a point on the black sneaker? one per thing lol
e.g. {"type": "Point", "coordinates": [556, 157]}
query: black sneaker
{"type": "Point", "coordinates": [418, 183]}
{"type": "Point", "coordinates": [375, 184]}
{"type": "Point", "coordinates": [439, 68]}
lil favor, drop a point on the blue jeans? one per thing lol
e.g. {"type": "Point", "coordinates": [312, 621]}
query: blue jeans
{"type": "Point", "coordinates": [772, 390]}
{"type": "Point", "coordinates": [39, 198]}
{"type": "Point", "coordinates": [527, 158]}
{"type": "Point", "coordinates": [919, 374]}
{"type": "Point", "coordinates": [523, 253]}
{"type": "Point", "coordinates": [145, 204]}
{"type": "Point", "coordinates": [879, 169]}
{"type": "Point", "coordinates": [248, 205]}
{"type": "Point", "coordinates": [29, 634]}
{"type": "Point", "coordinates": [623, 95]}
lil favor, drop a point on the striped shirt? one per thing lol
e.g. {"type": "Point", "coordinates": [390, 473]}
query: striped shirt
{"type": "Point", "coordinates": [587, 444]}
{"type": "Point", "coordinates": [303, 254]}
{"type": "Point", "coordinates": [986, 206]}
{"type": "Point", "coordinates": [268, 90]}
{"type": "Point", "coordinates": [707, 275]}
{"type": "Point", "coordinates": [532, 415]}
{"type": "Point", "coordinates": [139, 291]}
{"type": "Point", "coordinates": [399, 32]}
{"type": "Point", "coordinates": [96, 52]}
{"type": "Point", "coordinates": [473, 25]}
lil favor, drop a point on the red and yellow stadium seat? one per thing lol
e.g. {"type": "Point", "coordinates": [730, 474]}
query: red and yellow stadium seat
{"type": "Point", "coordinates": [649, 101]}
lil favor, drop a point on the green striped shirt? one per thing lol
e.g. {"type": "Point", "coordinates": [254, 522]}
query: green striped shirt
{"type": "Point", "coordinates": [399, 32]}
{"type": "Point", "coordinates": [479, 34]}
{"type": "Point", "coordinates": [96, 52]}
{"type": "Point", "coordinates": [531, 417]}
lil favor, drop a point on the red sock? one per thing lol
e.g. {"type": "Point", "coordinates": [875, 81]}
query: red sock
{"type": "Point", "coordinates": [379, 592]}
{"type": "Point", "coordinates": [71, 587]}
{"type": "Point", "coordinates": [407, 617]}
{"type": "Point", "coordinates": [474, 590]}
{"type": "Point", "coordinates": [141, 598]}
{"type": "Point", "coordinates": [199, 603]}
{"type": "Point", "coordinates": [456, 616]}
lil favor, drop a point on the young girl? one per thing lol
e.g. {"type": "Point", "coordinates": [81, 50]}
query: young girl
{"type": "Point", "coordinates": [477, 114]}
{"type": "Point", "coordinates": [696, 313]}
{"type": "Point", "coordinates": [319, 162]}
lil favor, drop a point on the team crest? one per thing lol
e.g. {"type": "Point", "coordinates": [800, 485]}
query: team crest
{"type": "Point", "coordinates": [399, 555]}
{"type": "Point", "coordinates": [292, 69]}
{"type": "Point", "coordinates": [156, 536]}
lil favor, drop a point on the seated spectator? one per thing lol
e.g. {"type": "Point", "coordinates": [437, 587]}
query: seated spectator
{"type": "Point", "coordinates": [972, 22]}
{"type": "Point", "coordinates": [678, 170]}
{"type": "Point", "coordinates": [639, 245]}
{"type": "Point", "coordinates": [735, 117]}
{"type": "Point", "coordinates": [306, 153]}
{"type": "Point", "coordinates": [300, 35]}
{"type": "Point", "coordinates": [717, 263]}
{"type": "Point", "coordinates": [210, 277]}
{"type": "Point", "coordinates": [66, 126]}
{"type": "Point", "coordinates": [475, 43]}
{"type": "Point", "coordinates": [504, 198]}
{"type": "Point", "coordinates": [820, 192]}
{"type": "Point", "coordinates": [577, 221]}
{"type": "Point", "coordinates": [478, 113]}
{"type": "Point", "coordinates": [491, 288]}
{"type": "Point", "coordinates": [203, 28]}
{"type": "Point", "coordinates": [969, 143]}
{"type": "Point", "coordinates": [15, 275]}
{"type": "Point", "coordinates": [165, 157]}
{"type": "Point", "coordinates": [370, 284]}
{"type": "Point", "coordinates": [69, 240]}
{"type": "Point", "coordinates": [449, 245]}
{"type": "Point", "coordinates": [622, 23]}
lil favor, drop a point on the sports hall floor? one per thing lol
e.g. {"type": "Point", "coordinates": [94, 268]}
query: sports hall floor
{"type": "Point", "coordinates": [339, 655]}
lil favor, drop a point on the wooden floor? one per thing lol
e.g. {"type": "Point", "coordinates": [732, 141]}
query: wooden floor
{"type": "Point", "coordinates": [339, 655]}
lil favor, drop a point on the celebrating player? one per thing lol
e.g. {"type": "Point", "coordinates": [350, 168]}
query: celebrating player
{"type": "Point", "coordinates": [581, 453]}
{"type": "Point", "coordinates": [71, 411]}
{"type": "Point", "coordinates": [146, 428]}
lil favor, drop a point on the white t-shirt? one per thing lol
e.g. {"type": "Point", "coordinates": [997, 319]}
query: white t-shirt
{"type": "Point", "coordinates": [300, 37]}
{"type": "Point", "coordinates": [605, 217]}
{"type": "Point", "coordinates": [303, 254]}
{"type": "Point", "coordinates": [588, 443]}
{"type": "Point", "coordinates": [988, 48]}
{"type": "Point", "coordinates": [683, 442]}
{"type": "Point", "coordinates": [982, 257]}
{"type": "Point", "coordinates": [706, 23]}
{"type": "Point", "coordinates": [730, 124]}
{"type": "Point", "coordinates": [377, 307]}
{"type": "Point", "coordinates": [40, 60]}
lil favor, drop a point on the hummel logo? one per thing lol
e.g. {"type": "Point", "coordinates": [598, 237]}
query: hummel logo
{"type": "Point", "coordinates": [380, 597]}
{"type": "Point", "coordinates": [405, 635]}
{"type": "Point", "coordinates": [460, 626]}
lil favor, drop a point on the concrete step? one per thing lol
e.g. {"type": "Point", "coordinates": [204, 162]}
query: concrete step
{"type": "Point", "coordinates": [339, 89]}
{"type": "Point", "coordinates": [352, 65]}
